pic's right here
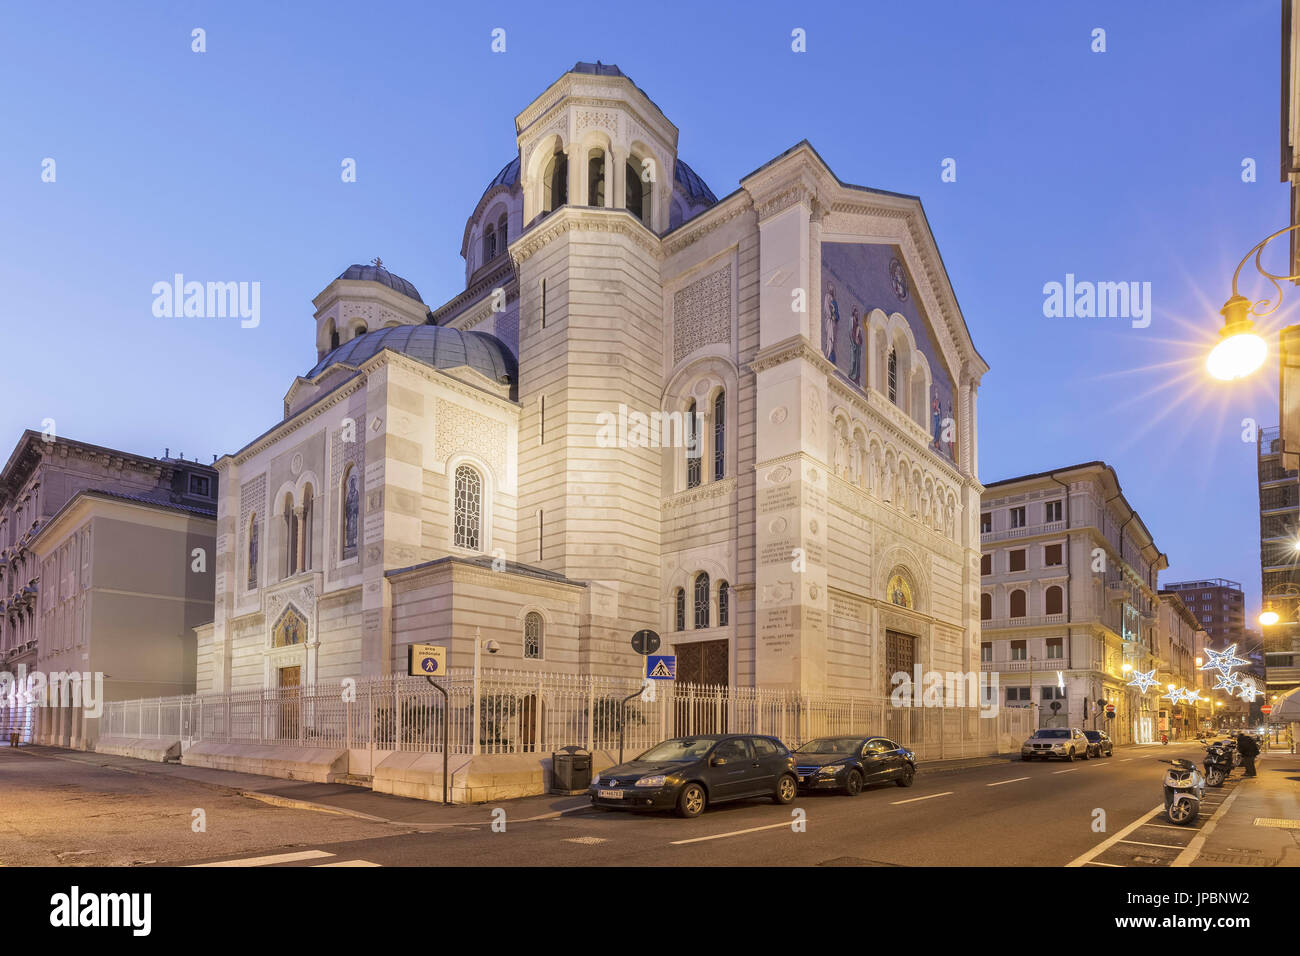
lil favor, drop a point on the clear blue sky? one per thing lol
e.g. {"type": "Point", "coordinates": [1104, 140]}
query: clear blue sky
{"type": "Point", "coordinates": [1123, 165]}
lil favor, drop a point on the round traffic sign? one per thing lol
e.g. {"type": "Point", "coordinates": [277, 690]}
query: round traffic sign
{"type": "Point", "coordinates": [645, 642]}
{"type": "Point", "coordinates": [1110, 708]}
{"type": "Point", "coordinates": [1266, 709]}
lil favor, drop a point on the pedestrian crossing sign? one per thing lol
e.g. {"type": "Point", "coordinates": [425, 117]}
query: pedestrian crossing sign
{"type": "Point", "coordinates": [661, 667]}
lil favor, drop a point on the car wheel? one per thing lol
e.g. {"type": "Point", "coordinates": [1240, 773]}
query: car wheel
{"type": "Point", "coordinates": [907, 776]}
{"type": "Point", "coordinates": [1087, 752]}
{"type": "Point", "coordinates": [853, 785]}
{"type": "Point", "coordinates": [1070, 755]}
{"type": "Point", "coordinates": [691, 801]}
{"type": "Point", "coordinates": [1110, 752]}
{"type": "Point", "coordinates": [786, 789]}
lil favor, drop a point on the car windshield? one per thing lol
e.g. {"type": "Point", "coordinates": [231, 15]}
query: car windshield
{"type": "Point", "coordinates": [680, 748]}
{"type": "Point", "coordinates": [1053, 734]}
{"type": "Point", "coordinates": [1092, 734]}
{"type": "Point", "coordinates": [831, 745]}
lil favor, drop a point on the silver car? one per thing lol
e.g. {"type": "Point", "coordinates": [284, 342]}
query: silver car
{"type": "Point", "coordinates": [1062, 742]}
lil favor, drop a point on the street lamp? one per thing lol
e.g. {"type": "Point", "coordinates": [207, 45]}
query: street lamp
{"type": "Point", "coordinates": [1241, 350]}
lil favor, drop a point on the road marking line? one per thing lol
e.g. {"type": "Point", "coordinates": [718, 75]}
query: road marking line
{"type": "Point", "coordinates": [931, 796]}
{"type": "Point", "coordinates": [1111, 841]}
{"type": "Point", "coordinates": [268, 860]}
{"type": "Point", "coordinates": [1170, 826]}
{"type": "Point", "coordinates": [1188, 856]}
{"type": "Point", "coordinates": [1125, 759]}
{"type": "Point", "coordinates": [1170, 846]}
{"type": "Point", "coordinates": [349, 863]}
{"type": "Point", "coordinates": [1118, 866]}
{"type": "Point", "coordinates": [1001, 782]}
{"type": "Point", "coordinates": [719, 836]}
{"type": "Point", "coordinates": [1071, 770]}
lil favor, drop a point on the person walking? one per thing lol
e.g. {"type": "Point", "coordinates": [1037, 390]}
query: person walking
{"type": "Point", "coordinates": [1248, 749]}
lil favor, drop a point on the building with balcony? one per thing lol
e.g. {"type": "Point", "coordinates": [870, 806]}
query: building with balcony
{"type": "Point", "coordinates": [93, 564]}
{"type": "Point", "coordinates": [1279, 559]}
{"type": "Point", "coordinates": [1068, 599]}
{"type": "Point", "coordinates": [1178, 653]}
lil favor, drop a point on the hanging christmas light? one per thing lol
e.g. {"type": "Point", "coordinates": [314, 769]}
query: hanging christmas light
{"type": "Point", "coordinates": [1249, 690]}
{"type": "Point", "coordinates": [1226, 682]}
{"type": "Point", "coordinates": [1143, 680]}
{"type": "Point", "coordinates": [1224, 661]}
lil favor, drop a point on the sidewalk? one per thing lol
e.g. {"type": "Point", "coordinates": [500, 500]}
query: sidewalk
{"type": "Point", "coordinates": [1259, 824]}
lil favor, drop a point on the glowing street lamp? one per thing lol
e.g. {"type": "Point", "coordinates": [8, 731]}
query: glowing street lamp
{"type": "Point", "coordinates": [1269, 617]}
{"type": "Point", "coordinates": [1241, 350]}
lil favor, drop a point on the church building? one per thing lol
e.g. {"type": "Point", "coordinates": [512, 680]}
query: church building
{"type": "Point", "coordinates": [747, 423]}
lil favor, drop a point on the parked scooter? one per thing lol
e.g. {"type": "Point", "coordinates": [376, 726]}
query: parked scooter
{"type": "Point", "coordinates": [1184, 789]}
{"type": "Point", "coordinates": [1218, 764]}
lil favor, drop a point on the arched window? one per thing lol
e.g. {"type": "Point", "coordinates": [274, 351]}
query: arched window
{"type": "Point", "coordinates": [351, 513]}
{"type": "Point", "coordinates": [252, 552]}
{"type": "Point", "coordinates": [701, 600]}
{"type": "Point", "coordinates": [555, 180]}
{"type": "Point", "coordinates": [724, 604]}
{"type": "Point", "coordinates": [503, 228]}
{"type": "Point", "coordinates": [308, 503]}
{"type": "Point", "coordinates": [638, 192]}
{"type": "Point", "coordinates": [489, 243]}
{"type": "Point", "coordinates": [469, 508]}
{"type": "Point", "coordinates": [533, 626]}
{"type": "Point", "coordinates": [679, 610]}
{"type": "Point", "coordinates": [359, 330]}
{"type": "Point", "coordinates": [893, 375]}
{"type": "Point", "coordinates": [596, 177]}
{"type": "Point", "coordinates": [1054, 601]}
{"type": "Point", "coordinates": [290, 538]}
{"type": "Point", "coordinates": [719, 436]}
{"type": "Point", "coordinates": [986, 607]}
{"type": "Point", "coordinates": [1017, 603]}
{"type": "Point", "coordinates": [694, 454]}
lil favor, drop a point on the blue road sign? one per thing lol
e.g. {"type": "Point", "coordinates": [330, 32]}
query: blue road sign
{"type": "Point", "coordinates": [661, 667]}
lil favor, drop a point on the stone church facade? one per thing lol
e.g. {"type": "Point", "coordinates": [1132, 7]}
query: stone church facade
{"type": "Point", "coordinates": [448, 472]}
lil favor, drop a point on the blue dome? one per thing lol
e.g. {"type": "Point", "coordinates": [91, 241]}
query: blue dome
{"type": "Point", "coordinates": [383, 277]}
{"type": "Point", "coordinates": [691, 182]}
{"type": "Point", "coordinates": [435, 345]}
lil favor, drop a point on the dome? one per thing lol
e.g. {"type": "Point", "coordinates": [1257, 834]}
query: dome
{"type": "Point", "coordinates": [435, 345]}
{"type": "Point", "coordinates": [383, 277]}
{"type": "Point", "coordinates": [696, 189]}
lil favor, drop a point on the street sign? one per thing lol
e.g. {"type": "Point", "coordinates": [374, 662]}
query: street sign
{"type": "Point", "coordinates": [1266, 709]}
{"type": "Point", "coordinates": [645, 642]}
{"type": "Point", "coordinates": [1110, 710]}
{"type": "Point", "coordinates": [426, 660]}
{"type": "Point", "coordinates": [661, 667]}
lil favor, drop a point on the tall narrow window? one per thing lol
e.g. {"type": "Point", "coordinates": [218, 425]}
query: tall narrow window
{"type": "Point", "coordinates": [533, 636]}
{"type": "Point", "coordinates": [1017, 603]}
{"type": "Point", "coordinates": [1054, 601]}
{"type": "Point", "coordinates": [701, 600]}
{"type": "Point", "coordinates": [679, 610]}
{"type": "Point", "coordinates": [351, 513]}
{"type": "Point", "coordinates": [290, 538]}
{"type": "Point", "coordinates": [693, 451]}
{"type": "Point", "coordinates": [556, 181]}
{"type": "Point", "coordinates": [469, 508]}
{"type": "Point", "coordinates": [489, 243]}
{"type": "Point", "coordinates": [724, 604]}
{"type": "Point", "coordinates": [541, 519]}
{"type": "Point", "coordinates": [308, 505]}
{"type": "Point", "coordinates": [503, 226]}
{"type": "Point", "coordinates": [596, 177]}
{"type": "Point", "coordinates": [636, 191]}
{"type": "Point", "coordinates": [252, 552]}
{"type": "Point", "coordinates": [719, 436]}
{"type": "Point", "coordinates": [541, 420]}
{"type": "Point", "coordinates": [543, 303]}
{"type": "Point", "coordinates": [893, 376]}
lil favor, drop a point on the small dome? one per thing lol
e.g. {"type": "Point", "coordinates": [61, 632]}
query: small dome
{"type": "Point", "coordinates": [381, 275]}
{"type": "Point", "coordinates": [695, 187]}
{"type": "Point", "coordinates": [434, 345]}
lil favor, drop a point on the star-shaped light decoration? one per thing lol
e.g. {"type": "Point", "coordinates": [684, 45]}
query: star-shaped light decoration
{"type": "Point", "coordinates": [1223, 661]}
{"type": "Point", "coordinates": [1175, 695]}
{"type": "Point", "coordinates": [1143, 680]}
{"type": "Point", "coordinates": [1193, 697]}
{"type": "Point", "coordinates": [1226, 682]}
{"type": "Point", "coordinates": [1249, 690]}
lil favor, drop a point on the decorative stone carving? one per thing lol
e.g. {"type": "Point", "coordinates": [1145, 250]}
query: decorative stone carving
{"type": "Point", "coordinates": [702, 313]}
{"type": "Point", "coordinates": [778, 415]}
{"type": "Point", "coordinates": [463, 430]}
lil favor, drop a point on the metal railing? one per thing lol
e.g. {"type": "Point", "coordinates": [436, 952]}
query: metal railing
{"type": "Point", "coordinates": [520, 713]}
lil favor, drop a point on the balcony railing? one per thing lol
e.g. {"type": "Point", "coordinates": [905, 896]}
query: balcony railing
{"type": "Point", "coordinates": [1039, 620]}
{"type": "Point", "coordinates": [1050, 527]}
{"type": "Point", "coordinates": [1039, 666]}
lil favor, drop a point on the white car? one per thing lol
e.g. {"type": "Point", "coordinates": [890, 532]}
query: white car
{"type": "Point", "coordinates": [1049, 742]}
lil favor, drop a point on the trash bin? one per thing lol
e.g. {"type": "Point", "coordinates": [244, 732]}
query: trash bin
{"type": "Point", "coordinates": [570, 770]}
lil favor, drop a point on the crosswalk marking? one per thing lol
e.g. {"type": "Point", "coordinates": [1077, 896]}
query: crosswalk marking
{"type": "Point", "coordinates": [289, 858]}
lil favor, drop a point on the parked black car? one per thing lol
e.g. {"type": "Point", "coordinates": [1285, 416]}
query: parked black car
{"type": "Point", "coordinates": [1099, 743]}
{"type": "Point", "coordinates": [851, 763]}
{"type": "Point", "coordinates": [689, 773]}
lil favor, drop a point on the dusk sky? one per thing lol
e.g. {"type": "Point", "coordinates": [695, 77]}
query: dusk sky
{"type": "Point", "coordinates": [225, 166]}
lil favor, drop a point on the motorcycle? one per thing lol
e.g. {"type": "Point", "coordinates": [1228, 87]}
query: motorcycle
{"type": "Point", "coordinates": [1218, 765]}
{"type": "Point", "coordinates": [1184, 789]}
{"type": "Point", "coordinates": [1164, 738]}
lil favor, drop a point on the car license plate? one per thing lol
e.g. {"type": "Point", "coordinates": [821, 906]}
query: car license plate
{"type": "Point", "coordinates": [610, 794]}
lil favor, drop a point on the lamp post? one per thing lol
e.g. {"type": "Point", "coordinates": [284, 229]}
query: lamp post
{"type": "Point", "coordinates": [1241, 350]}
